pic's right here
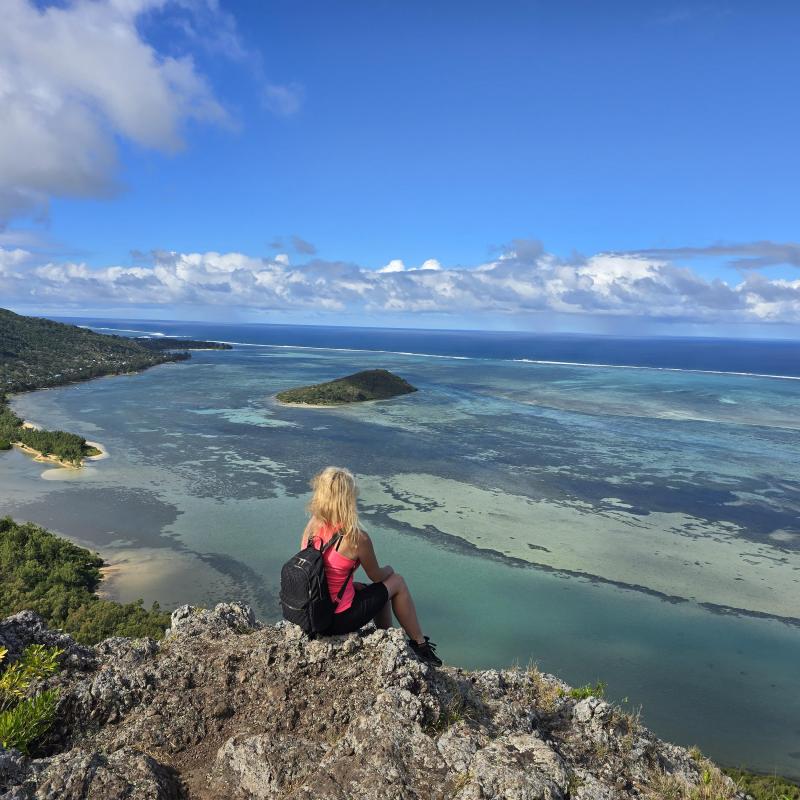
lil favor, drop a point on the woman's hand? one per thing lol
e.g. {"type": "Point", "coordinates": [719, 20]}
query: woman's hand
{"type": "Point", "coordinates": [366, 555]}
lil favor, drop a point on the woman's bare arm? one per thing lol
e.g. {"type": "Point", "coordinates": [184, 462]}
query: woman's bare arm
{"type": "Point", "coordinates": [313, 524]}
{"type": "Point", "coordinates": [366, 555]}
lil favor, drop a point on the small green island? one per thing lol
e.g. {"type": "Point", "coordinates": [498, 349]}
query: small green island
{"type": "Point", "coordinates": [370, 384]}
{"type": "Point", "coordinates": [61, 447]}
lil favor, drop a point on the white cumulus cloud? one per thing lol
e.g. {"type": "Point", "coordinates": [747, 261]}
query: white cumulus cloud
{"type": "Point", "coordinates": [523, 280]}
{"type": "Point", "coordinates": [75, 76]}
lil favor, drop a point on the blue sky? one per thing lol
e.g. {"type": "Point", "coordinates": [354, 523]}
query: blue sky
{"type": "Point", "coordinates": [422, 132]}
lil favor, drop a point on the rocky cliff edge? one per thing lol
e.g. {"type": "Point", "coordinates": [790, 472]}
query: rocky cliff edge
{"type": "Point", "coordinates": [224, 707]}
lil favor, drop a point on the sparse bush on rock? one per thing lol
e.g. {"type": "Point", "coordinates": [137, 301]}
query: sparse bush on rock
{"type": "Point", "coordinates": [226, 708]}
{"type": "Point", "coordinates": [24, 717]}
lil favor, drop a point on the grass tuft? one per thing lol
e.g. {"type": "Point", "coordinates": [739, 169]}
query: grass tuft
{"type": "Point", "coordinates": [588, 690]}
{"type": "Point", "coordinates": [543, 693]}
{"type": "Point", "coordinates": [714, 785]}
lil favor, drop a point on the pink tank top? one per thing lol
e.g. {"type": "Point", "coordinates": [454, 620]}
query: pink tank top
{"type": "Point", "coordinates": [337, 569]}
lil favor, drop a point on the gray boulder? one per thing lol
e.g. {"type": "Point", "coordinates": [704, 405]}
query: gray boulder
{"type": "Point", "coordinates": [224, 707]}
{"type": "Point", "coordinates": [27, 628]}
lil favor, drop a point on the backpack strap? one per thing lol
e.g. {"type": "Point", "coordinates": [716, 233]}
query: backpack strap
{"type": "Point", "coordinates": [337, 538]}
{"type": "Point", "coordinates": [344, 585]}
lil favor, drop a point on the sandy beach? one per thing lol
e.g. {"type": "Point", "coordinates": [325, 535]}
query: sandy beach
{"type": "Point", "coordinates": [348, 404]}
{"type": "Point", "coordinates": [108, 573]}
{"type": "Point", "coordinates": [103, 454]}
{"type": "Point", "coordinates": [37, 456]}
{"type": "Point", "coordinates": [314, 405]}
{"type": "Point", "coordinates": [47, 459]}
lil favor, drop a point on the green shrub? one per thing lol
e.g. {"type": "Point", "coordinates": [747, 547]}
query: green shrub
{"type": "Point", "coordinates": [24, 719]}
{"type": "Point", "coordinates": [589, 690]}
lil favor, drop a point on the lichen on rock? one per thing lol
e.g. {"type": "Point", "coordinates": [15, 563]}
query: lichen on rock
{"type": "Point", "coordinates": [225, 707]}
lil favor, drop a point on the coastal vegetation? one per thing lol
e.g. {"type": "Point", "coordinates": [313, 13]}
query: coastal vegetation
{"type": "Point", "coordinates": [371, 384]}
{"type": "Point", "coordinates": [37, 353]}
{"type": "Point", "coordinates": [162, 343]}
{"type": "Point", "coordinates": [66, 448]}
{"type": "Point", "coordinates": [764, 787]}
{"type": "Point", "coordinates": [59, 580]}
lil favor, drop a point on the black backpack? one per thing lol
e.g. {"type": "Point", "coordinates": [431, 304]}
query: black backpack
{"type": "Point", "coordinates": [305, 598]}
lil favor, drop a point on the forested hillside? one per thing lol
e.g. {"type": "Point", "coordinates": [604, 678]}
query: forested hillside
{"type": "Point", "coordinates": [171, 343]}
{"type": "Point", "coordinates": [58, 580]}
{"type": "Point", "coordinates": [36, 353]}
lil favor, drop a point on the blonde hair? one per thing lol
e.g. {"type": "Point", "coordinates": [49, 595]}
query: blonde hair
{"type": "Point", "coordinates": [334, 502]}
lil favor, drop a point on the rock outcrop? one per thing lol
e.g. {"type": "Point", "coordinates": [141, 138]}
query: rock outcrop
{"type": "Point", "coordinates": [226, 708]}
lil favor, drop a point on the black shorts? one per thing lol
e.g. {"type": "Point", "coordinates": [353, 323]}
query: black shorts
{"type": "Point", "coordinates": [368, 601]}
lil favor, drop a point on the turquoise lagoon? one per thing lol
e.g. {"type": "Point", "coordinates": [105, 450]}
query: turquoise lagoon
{"type": "Point", "coordinates": [637, 526]}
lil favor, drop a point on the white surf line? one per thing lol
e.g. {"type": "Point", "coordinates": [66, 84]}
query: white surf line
{"type": "Point", "coordinates": [362, 350]}
{"type": "Point", "coordinates": [127, 330]}
{"type": "Point", "coordinates": [243, 344]}
{"type": "Point", "coordinates": [658, 369]}
{"type": "Point", "coordinates": [472, 358]}
{"type": "Point", "coordinates": [528, 361]}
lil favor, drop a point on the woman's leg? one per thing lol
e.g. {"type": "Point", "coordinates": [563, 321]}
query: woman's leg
{"type": "Point", "coordinates": [383, 619]}
{"type": "Point", "coordinates": [403, 606]}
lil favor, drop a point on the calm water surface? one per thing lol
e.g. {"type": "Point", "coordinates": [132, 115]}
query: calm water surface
{"type": "Point", "coordinates": [638, 526]}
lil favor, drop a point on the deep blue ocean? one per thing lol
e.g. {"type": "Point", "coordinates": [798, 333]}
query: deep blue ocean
{"type": "Point", "coordinates": [756, 356]}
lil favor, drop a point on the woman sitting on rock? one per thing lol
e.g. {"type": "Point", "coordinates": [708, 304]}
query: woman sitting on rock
{"type": "Point", "coordinates": [333, 510]}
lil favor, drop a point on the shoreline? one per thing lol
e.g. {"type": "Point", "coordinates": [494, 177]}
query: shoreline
{"type": "Point", "coordinates": [315, 405]}
{"type": "Point", "coordinates": [349, 403]}
{"type": "Point", "coordinates": [47, 459]}
{"type": "Point", "coordinates": [102, 455]}
{"type": "Point", "coordinates": [42, 458]}
{"type": "Point", "coordinates": [108, 572]}
{"type": "Point", "coordinates": [103, 451]}
{"type": "Point", "coordinates": [39, 456]}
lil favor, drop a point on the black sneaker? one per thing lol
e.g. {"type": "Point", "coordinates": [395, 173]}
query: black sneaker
{"type": "Point", "coordinates": [426, 652]}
